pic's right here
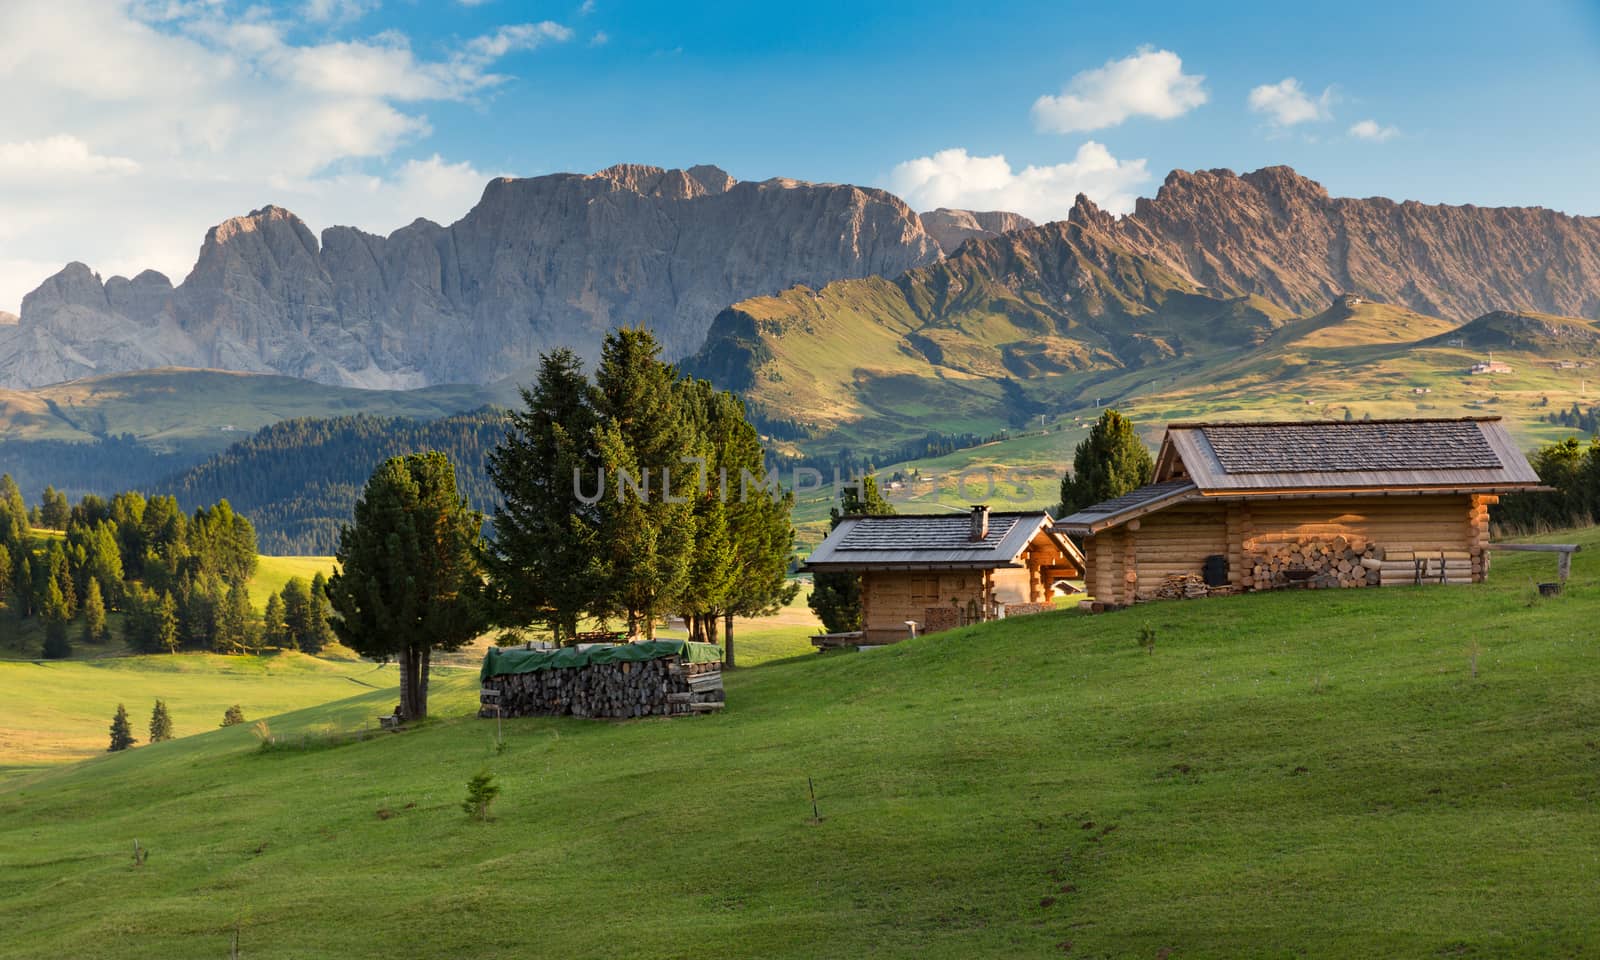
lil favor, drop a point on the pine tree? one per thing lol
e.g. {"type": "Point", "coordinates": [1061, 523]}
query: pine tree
{"type": "Point", "coordinates": [1109, 462]}
{"type": "Point", "coordinates": [409, 571]}
{"type": "Point", "coordinates": [94, 615]}
{"type": "Point", "coordinates": [5, 573]}
{"type": "Point", "coordinates": [160, 723]}
{"type": "Point", "coordinates": [14, 530]}
{"type": "Point", "coordinates": [298, 616]}
{"type": "Point", "coordinates": [234, 628]}
{"type": "Point", "coordinates": [541, 564]}
{"type": "Point", "coordinates": [836, 597]}
{"type": "Point", "coordinates": [321, 631]}
{"type": "Point", "coordinates": [121, 731]}
{"type": "Point", "coordinates": [646, 539]}
{"type": "Point", "coordinates": [166, 624]}
{"type": "Point", "coordinates": [273, 631]}
{"type": "Point", "coordinates": [54, 510]}
{"type": "Point", "coordinates": [232, 716]}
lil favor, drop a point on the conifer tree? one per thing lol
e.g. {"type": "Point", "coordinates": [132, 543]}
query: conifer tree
{"type": "Point", "coordinates": [321, 631]}
{"type": "Point", "coordinates": [273, 631]}
{"type": "Point", "coordinates": [298, 617]}
{"type": "Point", "coordinates": [5, 573]}
{"type": "Point", "coordinates": [166, 624]}
{"type": "Point", "coordinates": [160, 723]}
{"type": "Point", "coordinates": [56, 644]}
{"type": "Point", "coordinates": [232, 716]}
{"type": "Point", "coordinates": [1109, 462]}
{"type": "Point", "coordinates": [14, 530]}
{"type": "Point", "coordinates": [409, 571]}
{"type": "Point", "coordinates": [541, 563]}
{"type": "Point", "coordinates": [234, 627]}
{"type": "Point", "coordinates": [646, 535]}
{"type": "Point", "coordinates": [836, 597]}
{"type": "Point", "coordinates": [94, 615]}
{"type": "Point", "coordinates": [121, 731]}
{"type": "Point", "coordinates": [54, 510]}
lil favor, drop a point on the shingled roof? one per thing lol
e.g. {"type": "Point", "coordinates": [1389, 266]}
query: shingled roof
{"type": "Point", "coordinates": [932, 541]}
{"type": "Point", "coordinates": [1307, 458]}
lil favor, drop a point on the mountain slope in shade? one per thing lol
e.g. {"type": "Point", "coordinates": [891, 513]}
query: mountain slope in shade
{"type": "Point", "coordinates": [537, 263]}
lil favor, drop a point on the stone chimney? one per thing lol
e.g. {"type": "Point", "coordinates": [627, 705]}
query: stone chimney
{"type": "Point", "coordinates": [980, 521]}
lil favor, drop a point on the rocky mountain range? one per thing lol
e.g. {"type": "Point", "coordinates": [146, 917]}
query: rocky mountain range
{"type": "Point", "coordinates": [1211, 267]}
{"type": "Point", "coordinates": [537, 263]}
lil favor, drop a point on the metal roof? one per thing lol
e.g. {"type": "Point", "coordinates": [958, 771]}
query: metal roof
{"type": "Point", "coordinates": [933, 540]}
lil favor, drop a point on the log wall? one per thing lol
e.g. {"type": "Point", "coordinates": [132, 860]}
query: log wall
{"type": "Point", "coordinates": [1136, 560]}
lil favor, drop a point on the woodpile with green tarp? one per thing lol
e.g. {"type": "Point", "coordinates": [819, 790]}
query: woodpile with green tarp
{"type": "Point", "coordinates": [659, 678]}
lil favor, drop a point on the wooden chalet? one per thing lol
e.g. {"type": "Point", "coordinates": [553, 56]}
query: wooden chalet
{"type": "Point", "coordinates": [946, 570]}
{"type": "Point", "coordinates": [1255, 506]}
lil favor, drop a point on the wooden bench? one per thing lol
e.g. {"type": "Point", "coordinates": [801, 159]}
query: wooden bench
{"type": "Point", "coordinates": [1563, 562]}
{"type": "Point", "coordinates": [833, 641]}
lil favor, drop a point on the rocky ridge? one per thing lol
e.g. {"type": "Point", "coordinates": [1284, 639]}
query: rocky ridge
{"type": "Point", "coordinates": [537, 263]}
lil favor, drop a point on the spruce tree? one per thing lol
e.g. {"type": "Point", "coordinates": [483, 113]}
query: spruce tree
{"type": "Point", "coordinates": [1109, 462]}
{"type": "Point", "coordinates": [646, 537]}
{"type": "Point", "coordinates": [321, 630]}
{"type": "Point", "coordinates": [13, 515]}
{"type": "Point", "coordinates": [836, 597]}
{"type": "Point", "coordinates": [165, 623]}
{"type": "Point", "coordinates": [94, 615]}
{"type": "Point", "coordinates": [409, 571]}
{"type": "Point", "coordinates": [121, 731]}
{"type": "Point", "coordinates": [56, 644]}
{"type": "Point", "coordinates": [298, 616]}
{"type": "Point", "coordinates": [541, 563]}
{"type": "Point", "coordinates": [5, 573]}
{"type": "Point", "coordinates": [232, 716]}
{"type": "Point", "coordinates": [273, 631]}
{"type": "Point", "coordinates": [234, 628]}
{"type": "Point", "coordinates": [54, 510]}
{"type": "Point", "coordinates": [160, 723]}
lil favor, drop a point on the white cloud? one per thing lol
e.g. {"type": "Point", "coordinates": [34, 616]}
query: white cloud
{"type": "Point", "coordinates": [1151, 83]}
{"type": "Point", "coordinates": [520, 36]}
{"type": "Point", "coordinates": [955, 178]}
{"type": "Point", "coordinates": [1287, 104]}
{"type": "Point", "coordinates": [600, 39]}
{"type": "Point", "coordinates": [56, 157]}
{"type": "Point", "coordinates": [1372, 130]}
{"type": "Point", "coordinates": [160, 118]}
{"type": "Point", "coordinates": [337, 11]}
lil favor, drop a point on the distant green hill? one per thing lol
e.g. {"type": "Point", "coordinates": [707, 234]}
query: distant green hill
{"type": "Point", "coordinates": [1405, 772]}
{"type": "Point", "coordinates": [130, 430]}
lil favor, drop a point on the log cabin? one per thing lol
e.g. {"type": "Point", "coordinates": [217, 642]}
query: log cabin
{"type": "Point", "coordinates": [1238, 507]}
{"type": "Point", "coordinates": [946, 570]}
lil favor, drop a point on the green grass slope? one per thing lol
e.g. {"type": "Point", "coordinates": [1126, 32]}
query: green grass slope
{"type": "Point", "coordinates": [57, 711]}
{"type": "Point", "coordinates": [1299, 774]}
{"type": "Point", "coordinates": [203, 411]}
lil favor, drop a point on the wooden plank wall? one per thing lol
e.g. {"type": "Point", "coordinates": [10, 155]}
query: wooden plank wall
{"type": "Point", "coordinates": [890, 598]}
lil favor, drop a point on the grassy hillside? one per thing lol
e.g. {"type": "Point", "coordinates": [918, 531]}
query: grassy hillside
{"type": "Point", "coordinates": [273, 572]}
{"type": "Point", "coordinates": [60, 710]}
{"type": "Point", "coordinates": [1299, 774]}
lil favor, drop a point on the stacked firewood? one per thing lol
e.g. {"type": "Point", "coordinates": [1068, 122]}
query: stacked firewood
{"type": "Point", "coordinates": [1183, 586]}
{"type": "Point", "coordinates": [666, 686]}
{"type": "Point", "coordinates": [1318, 564]}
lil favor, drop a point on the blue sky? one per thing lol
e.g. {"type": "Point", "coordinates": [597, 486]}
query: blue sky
{"type": "Point", "coordinates": [133, 125]}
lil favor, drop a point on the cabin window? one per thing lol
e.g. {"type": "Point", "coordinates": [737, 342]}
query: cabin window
{"type": "Point", "coordinates": [924, 589]}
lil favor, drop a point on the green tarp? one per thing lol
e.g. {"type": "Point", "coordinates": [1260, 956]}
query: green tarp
{"type": "Point", "coordinates": [499, 661]}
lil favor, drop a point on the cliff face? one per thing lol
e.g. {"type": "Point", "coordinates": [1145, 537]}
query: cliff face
{"type": "Point", "coordinates": [1278, 235]}
{"type": "Point", "coordinates": [952, 228]}
{"type": "Point", "coordinates": [538, 263]}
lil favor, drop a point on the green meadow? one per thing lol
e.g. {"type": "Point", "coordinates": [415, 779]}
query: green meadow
{"type": "Point", "coordinates": [1407, 772]}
